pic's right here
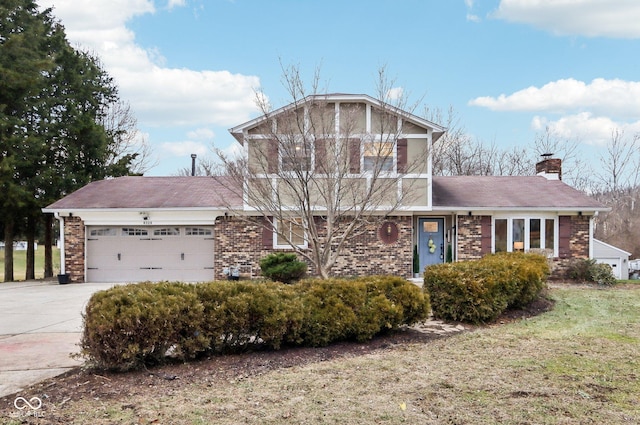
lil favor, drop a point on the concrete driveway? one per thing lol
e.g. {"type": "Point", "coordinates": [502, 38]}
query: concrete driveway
{"type": "Point", "coordinates": [40, 327]}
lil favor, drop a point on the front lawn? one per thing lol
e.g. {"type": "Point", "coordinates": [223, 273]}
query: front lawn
{"type": "Point", "coordinates": [20, 263]}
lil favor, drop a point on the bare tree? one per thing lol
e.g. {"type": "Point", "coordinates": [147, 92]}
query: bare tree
{"type": "Point", "coordinates": [617, 187]}
{"type": "Point", "coordinates": [303, 173]}
{"type": "Point", "coordinates": [205, 166]}
{"type": "Point", "coordinates": [575, 171]}
{"type": "Point", "coordinates": [128, 143]}
{"type": "Point", "coordinates": [619, 165]}
{"type": "Point", "coordinates": [456, 153]}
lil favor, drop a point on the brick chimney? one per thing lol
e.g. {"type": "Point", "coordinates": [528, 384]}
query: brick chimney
{"type": "Point", "coordinates": [550, 168]}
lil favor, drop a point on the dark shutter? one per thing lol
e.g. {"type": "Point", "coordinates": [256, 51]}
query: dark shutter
{"type": "Point", "coordinates": [267, 233]}
{"type": "Point", "coordinates": [321, 155]}
{"type": "Point", "coordinates": [272, 155]}
{"type": "Point", "coordinates": [485, 237]}
{"type": "Point", "coordinates": [402, 155]}
{"type": "Point", "coordinates": [354, 156]}
{"type": "Point", "coordinates": [564, 241]}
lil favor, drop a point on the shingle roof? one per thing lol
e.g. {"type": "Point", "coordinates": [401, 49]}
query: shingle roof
{"type": "Point", "coordinates": [152, 192]}
{"type": "Point", "coordinates": [450, 192]}
{"type": "Point", "coordinates": [508, 192]}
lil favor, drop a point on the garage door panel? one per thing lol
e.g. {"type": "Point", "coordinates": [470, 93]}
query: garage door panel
{"type": "Point", "coordinates": [149, 254]}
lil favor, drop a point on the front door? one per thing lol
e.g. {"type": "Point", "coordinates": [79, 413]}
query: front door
{"type": "Point", "coordinates": [431, 247]}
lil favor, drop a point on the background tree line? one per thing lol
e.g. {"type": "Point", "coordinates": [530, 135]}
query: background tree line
{"type": "Point", "coordinates": [62, 125]}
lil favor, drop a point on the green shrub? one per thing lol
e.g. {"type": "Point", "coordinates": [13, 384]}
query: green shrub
{"type": "Point", "coordinates": [131, 326]}
{"type": "Point", "coordinates": [283, 267]}
{"type": "Point", "coordinates": [331, 308]}
{"type": "Point", "coordinates": [589, 270]}
{"type": "Point", "coordinates": [413, 302]}
{"type": "Point", "coordinates": [479, 291]}
{"type": "Point", "coordinates": [239, 315]}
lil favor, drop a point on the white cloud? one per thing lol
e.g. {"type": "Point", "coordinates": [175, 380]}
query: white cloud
{"type": "Point", "coordinates": [472, 17]}
{"type": "Point", "coordinates": [591, 18]}
{"type": "Point", "coordinates": [184, 148]}
{"type": "Point", "coordinates": [613, 97]}
{"type": "Point", "coordinates": [176, 3]}
{"type": "Point", "coordinates": [584, 126]}
{"type": "Point", "coordinates": [158, 95]}
{"type": "Point", "coordinates": [201, 134]}
{"type": "Point", "coordinates": [395, 93]}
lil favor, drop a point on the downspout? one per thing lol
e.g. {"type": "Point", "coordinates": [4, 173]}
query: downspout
{"type": "Point", "coordinates": [62, 259]}
{"type": "Point", "coordinates": [591, 234]}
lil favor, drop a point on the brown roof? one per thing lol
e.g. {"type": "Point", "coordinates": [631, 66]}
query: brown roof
{"type": "Point", "coordinates": [450, 192]}
{"type": "Point", "coordinates": [152, 192]}
{"type": "Point", "coordinates": [518, 192]}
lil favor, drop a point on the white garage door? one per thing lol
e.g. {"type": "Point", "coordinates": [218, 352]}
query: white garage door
{"type": "Point", "coordinates": [146, 253]}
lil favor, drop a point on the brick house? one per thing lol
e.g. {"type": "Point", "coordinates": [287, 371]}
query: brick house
{"type": "Point", "coordinates": [195, 228]}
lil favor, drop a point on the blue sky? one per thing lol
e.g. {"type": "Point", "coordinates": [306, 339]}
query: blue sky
{"type": "Point", "coordinates": [509, 68]}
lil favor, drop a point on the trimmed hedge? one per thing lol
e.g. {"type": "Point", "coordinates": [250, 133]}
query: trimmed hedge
{"type": "Point", "coordinates": [130, 326]}
{"type": "Point", "coordinates": [479, 291]}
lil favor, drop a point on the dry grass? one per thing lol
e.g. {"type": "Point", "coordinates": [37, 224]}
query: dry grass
{"type": "Point", "coordinates": [577, 364]}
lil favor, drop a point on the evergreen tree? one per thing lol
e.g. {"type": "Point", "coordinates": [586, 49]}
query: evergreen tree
{"type": "Point", "coordinates": [53, 100]}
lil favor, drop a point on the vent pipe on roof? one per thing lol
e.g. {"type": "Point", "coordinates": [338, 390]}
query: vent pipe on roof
{"type": "Point", "coordinates": [193, 164]}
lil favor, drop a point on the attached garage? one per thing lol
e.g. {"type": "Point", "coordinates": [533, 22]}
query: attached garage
{"type": "Point", "coordinates": [149, 253]}
{"type": "Point", "coordinates": [135, 229]}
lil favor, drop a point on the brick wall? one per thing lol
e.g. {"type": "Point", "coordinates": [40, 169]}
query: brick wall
{"type": "Point", "coordinates": [470, 242]}
{"type": "Point", "coordinates": [578, 246]}
{"type": "Point", "coordinates": [469, 230]}
{"type": "Point", "coordinates": [238, 242]}
{"type": "Point", "coordinates": [74, 248]}
{"type": "Point", "coordinates": [241, 242]}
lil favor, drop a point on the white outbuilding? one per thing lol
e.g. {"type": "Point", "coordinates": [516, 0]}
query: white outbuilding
{"type": "Point", "coordinates": [617, 258]}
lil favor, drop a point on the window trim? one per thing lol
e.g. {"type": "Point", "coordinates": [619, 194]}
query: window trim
{"type": "Point", "coordinates": [527, 231]}
{"type": "Point", "coordinates": [276, 235]}
{"type": "Point", "coordinates": [283, 157]}
{"type": "Point", "coordinates": [393, 157]}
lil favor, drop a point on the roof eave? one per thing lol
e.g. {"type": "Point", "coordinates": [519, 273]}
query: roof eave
{"type": "Point", "coordinates": [584, 209]}
{"type": "Point", "coordinates": [238, 131]}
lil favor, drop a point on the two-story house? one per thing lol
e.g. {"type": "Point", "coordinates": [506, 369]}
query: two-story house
{"type": "Point", "coordinates": [308, 170]}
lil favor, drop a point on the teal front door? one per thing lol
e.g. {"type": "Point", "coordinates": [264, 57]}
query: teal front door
{"type": "Point", "coordinates": [431, 246]}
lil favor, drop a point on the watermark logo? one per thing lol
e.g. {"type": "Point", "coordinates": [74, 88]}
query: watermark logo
{"type": "Point", "coordinates": [29, 407]}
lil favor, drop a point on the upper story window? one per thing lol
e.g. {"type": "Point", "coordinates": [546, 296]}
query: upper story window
{"type": "Point", "coordinates": [295, 155]}
{"type": "Point", "coordinates": [378, 156]}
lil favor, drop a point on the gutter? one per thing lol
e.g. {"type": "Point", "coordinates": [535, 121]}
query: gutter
{"type": "Point", "coordinates": [62, 262]}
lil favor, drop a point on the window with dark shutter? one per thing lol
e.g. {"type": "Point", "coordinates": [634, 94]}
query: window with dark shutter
{"type": "Point", "coordinates": [267, 233]}
{"type": "Point", "coordinates": [402, 155]}
{"type": "Point", "coordinates": [272, 156]}
{"type": "Point", "coordinates": [485, 237]}
{"type": "Point", "coordinates": [354, 156]}
{"type": "Point", "coordinates": [564, 237]}
{"type": "Point", "coordinates": [320, 146]}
